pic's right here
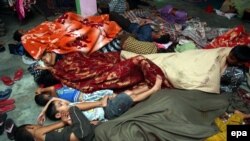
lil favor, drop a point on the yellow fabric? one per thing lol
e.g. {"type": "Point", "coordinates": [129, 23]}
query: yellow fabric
{"type": "Point", "coordinates": [136, 46]}
{"type": "Point", "coordinates": [195, 69]}
{"type": "Point", "coordinates": [235, 119]}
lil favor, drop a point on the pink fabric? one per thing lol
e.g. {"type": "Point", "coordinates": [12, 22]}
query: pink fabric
{"type": "Point", "coordinates": [20, 9]}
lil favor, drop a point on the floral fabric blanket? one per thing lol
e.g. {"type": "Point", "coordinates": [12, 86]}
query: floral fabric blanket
{"type": "Point", "coordinates": [97, 71]}
{"type": "Point", "coordinates": [69, 33]}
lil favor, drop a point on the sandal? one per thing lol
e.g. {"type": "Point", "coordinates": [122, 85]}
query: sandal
{"type": "Point", "coordinates": [7, 80]}
{"type": "Point", "coordinates": [2, 48]}
{"type": "Point", "coordinates": [3, 118]}
{"type": "Point", "coordinates": [10, 128]}
{"type": "Point", "coordinates": [7, 108]}
{"type": "Point", "coordinates": [18, 74]}
{"type": "Point", "coordinates": [5, 94]}
{"type": "Point", "coordinates": [7, 102]}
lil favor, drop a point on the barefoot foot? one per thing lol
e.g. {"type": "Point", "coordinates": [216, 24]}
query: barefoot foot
{"type": "Point", "coordinates": [242, 114]}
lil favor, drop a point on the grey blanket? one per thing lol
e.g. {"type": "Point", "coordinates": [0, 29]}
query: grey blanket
{"type": "Point", "coordinates": [168, 115]}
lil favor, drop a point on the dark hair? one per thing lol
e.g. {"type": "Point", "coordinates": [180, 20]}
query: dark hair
{"type": "Point", "coordinates": [17, 35]}
{"type": "Point", "coordinates": [241, 53]}
{"type": "Point", "coordinates": [51, 111]}
{"type": "Point", "coordinates": [46, 79]}
{"type": "Point", "coordinates": [42, 99]}
{"type": "Point", "coordinates": [22, 134]}
{"type": "Point", "coordinates": [163, 39]}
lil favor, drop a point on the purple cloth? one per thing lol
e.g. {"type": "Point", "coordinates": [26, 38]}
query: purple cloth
{"type": "Point", "coordinates": [179, 17]}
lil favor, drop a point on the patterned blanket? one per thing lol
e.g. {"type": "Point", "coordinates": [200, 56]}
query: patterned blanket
{"type": "Point", "coordinates": [98, 71]}
{"type": "Point", "coordinates": [70, 33]}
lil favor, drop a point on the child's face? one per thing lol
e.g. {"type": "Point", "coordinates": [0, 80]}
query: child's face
{"type": "Point", "coordinates": [48, 59]}
{"type": "Point", "coordinates": [61, 106]}
{"type": "Point", "coordinates": [156, 35]}
{"type": "Point", "coordinates": [231, 59]}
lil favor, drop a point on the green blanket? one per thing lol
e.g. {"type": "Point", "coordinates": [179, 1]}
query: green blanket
{"type": "Point", "coordinates": [168, 115]}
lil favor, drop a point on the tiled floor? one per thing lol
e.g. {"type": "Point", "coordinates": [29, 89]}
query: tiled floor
{"type": "Point", "coordinates": [23, 91]}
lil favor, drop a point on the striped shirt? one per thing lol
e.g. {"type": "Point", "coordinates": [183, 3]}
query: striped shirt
{"type": "Point", "coordinates": [113, 46]}
{"type": "Point", "coordinates": [135, 16]}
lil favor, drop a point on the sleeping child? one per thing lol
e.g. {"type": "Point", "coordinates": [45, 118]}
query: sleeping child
{"type": "Point", "coordinates": [95, 110]}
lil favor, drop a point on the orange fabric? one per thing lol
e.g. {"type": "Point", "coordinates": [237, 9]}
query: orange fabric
{"type": "Point", "coordinates": [70, 33]}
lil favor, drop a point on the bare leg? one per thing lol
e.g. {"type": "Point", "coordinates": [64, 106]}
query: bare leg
{"type": "Point", "coordinates": [146, 94]}
{"type": "Point", "coordinates": [137, 90]}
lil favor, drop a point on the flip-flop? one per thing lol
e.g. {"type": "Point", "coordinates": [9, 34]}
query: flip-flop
{"type": "Point", "coordinates": [18, 74]}
{"type": "Point", "coordinates": [2, 48]}
{"type": "Point", "coordinates": [7, 80]}
{"type": "Point", "coordinates": [3, 118]}
{"type": "Point", "coordinates": [7, 108]}
{"type": "Point", "coordinates": [5, 94]}
{"type": "Point", "coordinates": [10, 128]}
{"type": "Point", "coordinates": [7, 102]}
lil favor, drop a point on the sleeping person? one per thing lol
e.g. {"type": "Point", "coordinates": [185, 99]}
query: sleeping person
{"type": "Point", "coordinates": [74, 126]}
{"type": "Point", "coordinates": [201, 69]}
{"type": "Point", "coordinates": [76, 70]}
{"type": "Point", "coordinates": [56, 89]}
{"type": "Point", "coordinates": [99, 110]}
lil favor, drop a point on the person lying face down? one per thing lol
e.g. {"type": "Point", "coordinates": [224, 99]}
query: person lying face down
{"type": "Point", "coordinates": [101, 110]}
{"type": "Point", "coordinates": [74, 126]}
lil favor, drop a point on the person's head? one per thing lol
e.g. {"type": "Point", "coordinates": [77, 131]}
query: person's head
{"type": "Point", "coordinates": [18, 34]}
{"type": "Point", "coordinates": [49, 58]}
{"type": "Point", "coordinates": [55, 109]}
{"type": "Point", "coordinates": [161, 38]}
{"type": "Point", "coordinates": [26, 132]}
{"type": "Point", "coordinates": [42, 99]}
{"type": "Point", "coordinates": [239, 55]}
{"type": "Point", "coordinates": [46, 79]}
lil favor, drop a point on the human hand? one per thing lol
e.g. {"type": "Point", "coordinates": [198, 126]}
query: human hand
{"type": "Point", "coordinates": [94, 122]}
{"type": "Point", "coordinates": [38, 91]}
{"type": "Point", "coordinates": [42, 68]}
{"type": "Point", "coordinates": [145, 21]}
{"type": "Point", "coordinates": [104, 101]}
{"type": "Point", "coordinates": [41, 118]}
{"type": "Point", "coordinates": [112, 96]}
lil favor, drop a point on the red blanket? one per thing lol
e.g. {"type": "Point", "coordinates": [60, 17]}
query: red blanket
{"type": "Point", "coordinates": [103, 71]}
{"type": "Point", "coordinates": [233, 37]}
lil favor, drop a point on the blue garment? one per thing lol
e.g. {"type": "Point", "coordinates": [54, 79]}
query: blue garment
{"type": "Point", "coordinates": [117, 106]}
{"type": "Point", "coordinates": [142, 33]}
{"type": "Point", "coordinates": [16, 49]}
{"type": "Point", "coordinates": [74, 95]}
{"type": "Point", "coordinates": [95, 96]}
{"type": "Point", "coordinates": [67, 93]}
